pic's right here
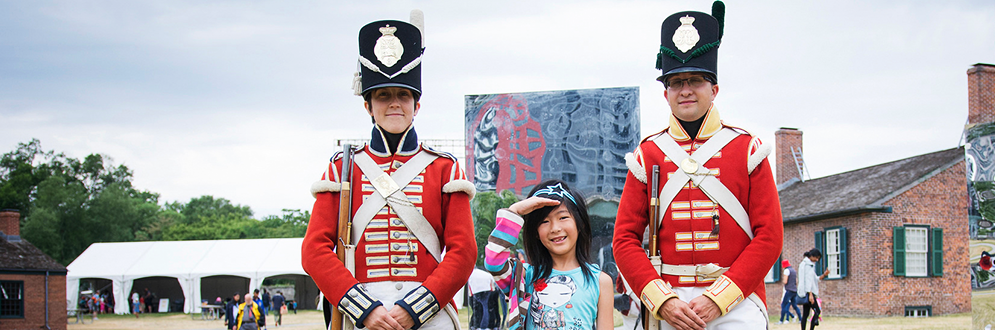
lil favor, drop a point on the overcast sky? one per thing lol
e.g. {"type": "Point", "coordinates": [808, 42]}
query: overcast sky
{"type": "Point", "coordinates": [244, 100]}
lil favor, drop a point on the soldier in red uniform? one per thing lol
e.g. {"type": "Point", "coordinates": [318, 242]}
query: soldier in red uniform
{"type": "Point", "coordinates": [719, 222]}
{"type": "Point", "coordinates": [409, 203]}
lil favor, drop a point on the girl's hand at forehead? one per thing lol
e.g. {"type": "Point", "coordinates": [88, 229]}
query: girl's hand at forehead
{"type": "Point", "coordinates": [531, 204]}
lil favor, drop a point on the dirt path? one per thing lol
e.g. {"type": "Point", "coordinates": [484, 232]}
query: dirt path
{"type": "Point", "coordinates": [312, 320]}
{"type": "Point", "coordinates": [304, 320]}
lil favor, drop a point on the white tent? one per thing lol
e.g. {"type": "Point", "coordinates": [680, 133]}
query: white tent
{"type": "Point", "coordinates": [187, 261]}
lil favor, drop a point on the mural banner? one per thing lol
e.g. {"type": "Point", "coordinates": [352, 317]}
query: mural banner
{"type": "Point", "coordinates": [515, 141]}
{"type": "Point", "coordinates": [980, 160]}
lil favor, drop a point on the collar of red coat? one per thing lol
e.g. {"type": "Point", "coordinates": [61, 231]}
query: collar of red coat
{"type": "Point", "coordinates": [709, 127]}
{"type": "Point", "coordinates": [408, 145]}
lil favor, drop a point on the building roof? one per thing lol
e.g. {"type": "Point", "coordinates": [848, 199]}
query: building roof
{"type": "Point", "coordinates": [17, 255]}
{"type": "Point", "coordinates": [861, 190]}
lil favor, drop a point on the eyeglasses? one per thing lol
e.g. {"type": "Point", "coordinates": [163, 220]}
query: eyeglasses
{"type": "Point", "coordinates": [678, 84]}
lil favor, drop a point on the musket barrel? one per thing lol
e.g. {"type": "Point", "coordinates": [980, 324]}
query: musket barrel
{"type": "Point", "coordinates": [345, 220]}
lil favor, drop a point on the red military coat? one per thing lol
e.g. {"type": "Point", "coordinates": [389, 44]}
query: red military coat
{"type": "Point", "coordinates": [684, 235]}
{"type": "Point", "coordinates": [385, 250]}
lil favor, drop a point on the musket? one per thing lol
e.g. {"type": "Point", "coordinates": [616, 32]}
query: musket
{"type": "Point", "coordinates": [345, 220]}
{"type": "Point", "coordinates": [654, 209]}
{"type": "Point", "coordinates": [649, 322]}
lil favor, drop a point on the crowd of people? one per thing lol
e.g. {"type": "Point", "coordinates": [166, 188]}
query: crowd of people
{"type": "Point", "coordinates": [100, 303]}
{"type": "Point", "coordinates": [249, 312]}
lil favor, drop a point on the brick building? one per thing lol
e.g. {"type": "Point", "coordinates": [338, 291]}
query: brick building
{"type": "Point", "coordinates": [25, 303]}
{"type": "Point", "coordinates": [894, 235]}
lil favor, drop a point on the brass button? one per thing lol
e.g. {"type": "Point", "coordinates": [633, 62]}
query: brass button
{"type": "Point", "coordinates": [690, 166]}
{"type": "Point", "coordinates": [399, 286]}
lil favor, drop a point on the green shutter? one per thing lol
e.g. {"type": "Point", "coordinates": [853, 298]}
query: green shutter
{"type": "Point", "coordinates": [936, 252]}
{"type": "Point", "coordinates": [777, 270]}
{"type": "Point", "coordinates": [844, 254]}
{"type": "Point", "coordinates": [898, 250]}
{"type": "Point", "coordinates": [820, 243]}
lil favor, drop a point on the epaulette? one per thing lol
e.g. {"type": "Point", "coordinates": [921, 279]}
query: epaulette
{"type": "Point", "coordinates": [330, 182]}
{"type": "Point", "coordinates": [757, 151]}
{"type": "Point", "coordinates": [439, 153]}
{"type": "Point", "coordinates": [653, 136]}
{"type": "Point", "coordinates": [738, 129]}
{"type": "Point", "coordinates": [338, 154]}
{"type": "Point", "coordinates": [457, 179]}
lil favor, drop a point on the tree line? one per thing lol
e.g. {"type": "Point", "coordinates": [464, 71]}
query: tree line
{"type": "Point", "coordinates": [66, 204]}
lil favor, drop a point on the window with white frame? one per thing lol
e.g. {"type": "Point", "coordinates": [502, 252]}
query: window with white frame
{"type": "Point", "coordinates": [833, 244]}
{"type": "Point", "coordinates": [916, 251]}
{"type": "Point", "coordinates": [833, 260]}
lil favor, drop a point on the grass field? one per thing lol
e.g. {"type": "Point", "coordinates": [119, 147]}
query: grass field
{"type": "Point", "coordinates": [312, 320]}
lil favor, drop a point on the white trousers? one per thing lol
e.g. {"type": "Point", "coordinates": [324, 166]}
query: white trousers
{"type": "Point", "coordinates": [745, 316]}
{"type": "Point", "coordinates": [390, 292]}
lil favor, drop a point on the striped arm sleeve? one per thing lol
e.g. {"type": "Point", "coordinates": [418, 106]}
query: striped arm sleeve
{"type": "Point", "coordinates": [507, 226]}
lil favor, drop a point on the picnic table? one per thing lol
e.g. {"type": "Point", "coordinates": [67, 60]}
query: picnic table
{"type": "Point", "coordinates": [77, 315]}
{"type": "Point", "coordinates": [209, 312]}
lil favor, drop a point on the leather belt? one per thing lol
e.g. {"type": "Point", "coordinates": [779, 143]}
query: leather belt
{"type": "Point", "coordinates": [704, 270]}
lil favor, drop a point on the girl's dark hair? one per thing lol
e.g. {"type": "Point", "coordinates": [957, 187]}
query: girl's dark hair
{"type": "Point", "coordinates": [813, 253]}
{"type": "Point", "coordinates": [535, 251]}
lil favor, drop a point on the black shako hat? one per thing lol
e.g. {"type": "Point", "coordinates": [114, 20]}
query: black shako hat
{"type": "Point", "coordinates": [389, 56]}
{"type": "Point", "coordinates": [689, 42]}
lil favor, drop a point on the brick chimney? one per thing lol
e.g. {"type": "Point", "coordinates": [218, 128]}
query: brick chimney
{"type": "Point", "coordinates": [784, 140]}
{"type": "Point", "coordinates": [981, 94]}
{"type": "Point", "coordinates": [10, 222]}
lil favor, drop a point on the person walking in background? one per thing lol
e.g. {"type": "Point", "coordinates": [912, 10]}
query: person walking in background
{"type": "Point", "coordinates": [135, 304]}
{"type": "Point", "coordinates": [808, 287]}
{"type": "Point", "coordinates": [231, 313]}
{"type": "Point", "coordinates": [484, 301]}
{"type": "Point", "coordinates": [249, 317]}
{"type": "Point", "coordinates": [790, 281]}
{"type": "Point", "coordinates": [94, 305]}
{"type": "Point", "coordinates": [266, 301]}
{"type": "Point", "coordinates": [278, 308]}
{"type": "Point", "coordinates": [259, 303]}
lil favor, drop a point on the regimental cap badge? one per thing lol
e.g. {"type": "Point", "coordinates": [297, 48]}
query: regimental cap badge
{"type": "Point", "coordinates": [689, 42]}
{"type": "Point", "coordinates": [390, 55]}
{"type": "Point", "coordinates": [388, 48]}
{"type": "Point", "coordinates": [686, 35]}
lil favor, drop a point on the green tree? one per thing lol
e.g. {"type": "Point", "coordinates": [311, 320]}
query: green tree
{"type": "Point", "coordinates": [19, 177]}
{"type": "Point", "coordinates": [68, 204]}
{"type": "Point", "coordinates": [293, 223]}
{"type": "Point", "coordinates": [207, 218]}
{"type": "Point", "coordinates": [484, 208]}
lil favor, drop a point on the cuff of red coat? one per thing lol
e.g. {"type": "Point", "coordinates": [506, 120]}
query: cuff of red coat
{"type": "Point", "coordinates": [420, 304]}
{"type": "Point", "coordinates": [725, 293]}
{"type": "Point", "coordinates": [654, 294]}
{"type": "Point", "coordinates": [357, 305]}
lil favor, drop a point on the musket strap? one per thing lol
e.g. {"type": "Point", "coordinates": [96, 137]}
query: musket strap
{"type": "Point", "coordinates": [701, 177]}
{"type": "Point", "coordinates": [389, 191]}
